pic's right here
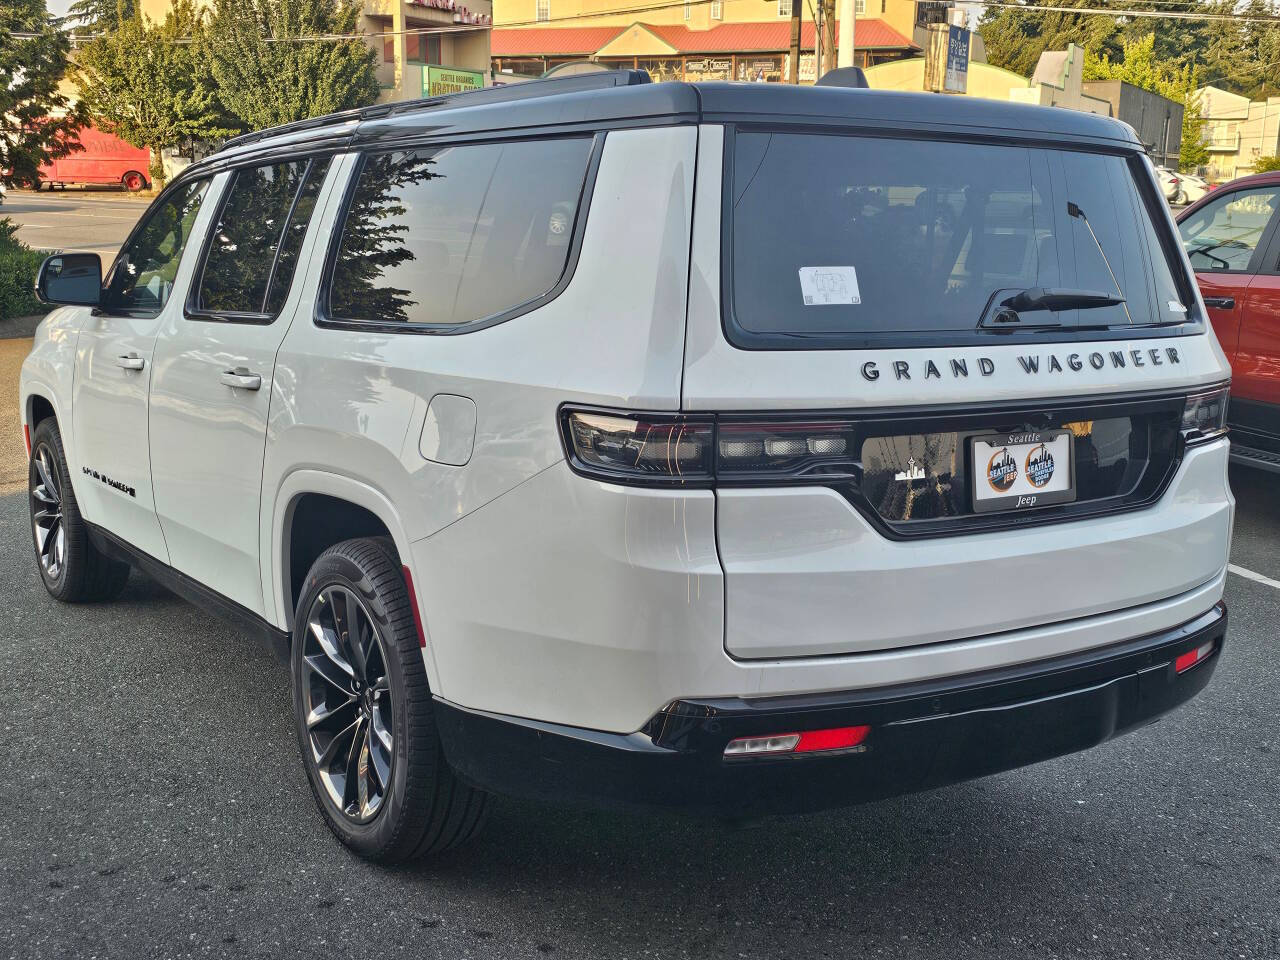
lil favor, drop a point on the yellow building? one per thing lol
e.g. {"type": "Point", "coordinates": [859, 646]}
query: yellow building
{"type": "Point", "coordinates": [423, 46]}
{"type": "Point", "coordinates": [694, 40]}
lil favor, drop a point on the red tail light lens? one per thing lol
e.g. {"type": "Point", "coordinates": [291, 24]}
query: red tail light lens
{"type": "Point", "coordinates": [831, 740]}
{"type": "Point", "coordinates": [1193, 657]}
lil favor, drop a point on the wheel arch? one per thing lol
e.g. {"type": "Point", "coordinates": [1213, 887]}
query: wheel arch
{"type": "Point", "coordinates": [38, 406]}
{"type": "Point", "coordinates": [312, 510]}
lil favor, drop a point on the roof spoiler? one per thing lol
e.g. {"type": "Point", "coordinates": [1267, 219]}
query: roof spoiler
{"type": "Point", "coordinates": [845, 77]}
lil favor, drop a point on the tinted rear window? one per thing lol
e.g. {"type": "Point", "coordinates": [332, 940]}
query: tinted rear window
{"type": "Point", "coordinates": [449, 235]}
{"type": "Point", "coordinates": [858, 239]}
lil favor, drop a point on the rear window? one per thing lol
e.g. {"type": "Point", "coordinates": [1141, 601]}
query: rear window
{"type": "Point", "coordinates": [862, 240]}
{"type": "Point", "coordinates": [450, 235]}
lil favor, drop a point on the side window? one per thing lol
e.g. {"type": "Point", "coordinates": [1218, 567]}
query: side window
{"type": "Point", "coordinates": [143, 275]}
{"type": "Point", "coordinates": [1223, 234]}
{"type": "Point", "coordinates": [450, 235]}
{"type": "Point", "coordinates": [253, 248]}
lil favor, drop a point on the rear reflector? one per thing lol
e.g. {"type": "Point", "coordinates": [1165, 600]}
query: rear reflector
{"type": "Point", "coordinates": [811, 741]}
{"type": "Point", "coordinates": [413, 602]}
{"type": "Point", "coordinates": [26, 436]}
{"type": "Point", "coordinates": [1192, 657]}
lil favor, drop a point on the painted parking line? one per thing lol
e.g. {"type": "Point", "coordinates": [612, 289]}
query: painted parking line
{"type": "Point", "coordinates": [1250, 575]}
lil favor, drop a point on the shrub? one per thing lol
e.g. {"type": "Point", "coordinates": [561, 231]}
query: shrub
{"type": "Point", "coordinates": [1266, 164]}
{"type": "Point", "coordinates": [18, 266]}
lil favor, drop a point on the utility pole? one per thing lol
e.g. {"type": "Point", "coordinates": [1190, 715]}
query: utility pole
{"type": "Point", "coordinates": [848, 30]}
{"type": "Point", "coordinates": [828, 39]}
{"type": "Point", "coordinates": [796, 7]}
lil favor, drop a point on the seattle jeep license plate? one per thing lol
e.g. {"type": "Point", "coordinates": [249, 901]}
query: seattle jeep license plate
{"type": "Point", "coordinates": [1017, 471]}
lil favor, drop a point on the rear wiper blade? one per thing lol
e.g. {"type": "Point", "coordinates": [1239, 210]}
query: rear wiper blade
{"type": "Point", "coordinates": [1013, 309]}
{"type": "Point", "coordinates": [1061, 298]}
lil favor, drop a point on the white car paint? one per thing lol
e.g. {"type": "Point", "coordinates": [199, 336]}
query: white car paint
{"type": "Point", "coordinates": [549, 596]}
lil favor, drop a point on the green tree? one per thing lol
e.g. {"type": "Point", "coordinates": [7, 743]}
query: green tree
{"type": "Point", "coordinates": [1266, 164]}
{"type": "Point", "coordinates": [266, 76]}
{"type": "Point", "coordinates": [37, 122]}
{"type": "Point", "coordinates": [148, 85]}
{"type": "Point", "coordinates": [1015, 37]}
{"type": "Point", "coordinates": [100, 15]}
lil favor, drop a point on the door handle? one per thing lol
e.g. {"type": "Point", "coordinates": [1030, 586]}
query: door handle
{"type": "Point", "coordinates": [130, 361]}
{"type": "Point", "coordinates": [241, 379]}
{"type": "Point", "coordinates": [1220, 303]}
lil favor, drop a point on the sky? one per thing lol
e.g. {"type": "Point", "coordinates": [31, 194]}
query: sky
{"type": "Point", "coordinates": [59, 7]}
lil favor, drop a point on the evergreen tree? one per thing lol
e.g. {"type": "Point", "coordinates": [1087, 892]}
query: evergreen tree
{"type": "Point", "coordinates": [99, 16]}
{"type": "Point", "coordinates": [1015, 38]}
{"type": "Point", "coordinates": [37, 122]}
{"type": "Point", "coordinates": [147, 84]}
{"type": "Point", "coordinates": [266, 77]}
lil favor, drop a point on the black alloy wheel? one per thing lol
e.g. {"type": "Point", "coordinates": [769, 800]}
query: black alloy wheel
{"type": "Point", "coordinates": [70, 566]}
{"type": "Point", "coordinates": [363, 711]}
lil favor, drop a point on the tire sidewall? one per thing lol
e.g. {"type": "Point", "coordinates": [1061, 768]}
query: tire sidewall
{"type": "Point", "coordinates": [47, 435]}
{"type": "Point", "coordinates": [380, 834]}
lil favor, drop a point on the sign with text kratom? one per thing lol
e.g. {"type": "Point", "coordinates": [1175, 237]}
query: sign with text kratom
{"type": "Point", "coordinates": [438, 81]}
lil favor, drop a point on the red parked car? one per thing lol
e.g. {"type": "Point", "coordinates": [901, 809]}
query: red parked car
{"type": "Point", "coordinates": [105, 159]}
{"type": "Point", "coordinates": [1232, 236]}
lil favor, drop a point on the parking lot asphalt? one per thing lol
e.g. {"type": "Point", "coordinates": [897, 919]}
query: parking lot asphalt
{"type": "Point", "coordinates": [87, 220]}
{"type": "Point", "coordinates": [155, 807]}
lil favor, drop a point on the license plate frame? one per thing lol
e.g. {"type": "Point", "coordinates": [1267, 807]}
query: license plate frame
{"type": "Point", "coordinates": [986, 494]}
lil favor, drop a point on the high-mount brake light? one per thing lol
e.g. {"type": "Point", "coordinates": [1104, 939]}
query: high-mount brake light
{"type": "Point", "coordinates": [830, 740]}
{"type": "Point", "coordinates": [697, 450]}
{"type": "Point", "coordinates": [1205, 415]}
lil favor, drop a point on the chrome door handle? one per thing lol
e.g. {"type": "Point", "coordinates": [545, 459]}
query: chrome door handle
{"type": "Point", "coordinates": [241, 379]}
{"type": "Point", "coordinates": [1220, 303]}
{"type": "Point", "coordinates": [130, 361]}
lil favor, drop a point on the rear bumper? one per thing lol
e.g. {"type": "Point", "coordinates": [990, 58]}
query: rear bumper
{"type": "Point", "coordinates": [922, 736]}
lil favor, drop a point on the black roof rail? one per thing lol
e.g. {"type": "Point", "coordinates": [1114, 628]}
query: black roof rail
{"type": "Point", "coordinates": [575, 83]}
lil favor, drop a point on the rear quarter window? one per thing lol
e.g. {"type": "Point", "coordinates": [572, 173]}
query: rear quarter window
{"type": "Point", "coordinates": [443, 237]}
{"type": "Point", "coordinates": [856, 240]}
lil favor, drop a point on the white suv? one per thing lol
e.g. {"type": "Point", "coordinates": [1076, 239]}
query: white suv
{"type": "Point", "coordinates": [742, 448]}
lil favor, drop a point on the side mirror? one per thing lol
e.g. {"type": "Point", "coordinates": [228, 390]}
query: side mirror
{"type": "Point", "coordinates": [74, 279]}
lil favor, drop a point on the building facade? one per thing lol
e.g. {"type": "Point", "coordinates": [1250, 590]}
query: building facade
{"type": "Point", "coordinates": [1238, 131]}
{"type": "Point", "coordinates": [746, 40]}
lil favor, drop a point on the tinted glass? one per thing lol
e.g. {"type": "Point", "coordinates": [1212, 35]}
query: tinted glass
{"type": "Point", "coordinates": [1223, 234]}
{"type": "Point", "coordinates": [242, 258]}
{"type": "Point", "coordinates": [456, 234]}
{"type": "Point", "coordinates": [291, 245]}
{"type": "Point", "coordinates": [837, 236]}
{"type": "Point", "coordinates": [143, 275]}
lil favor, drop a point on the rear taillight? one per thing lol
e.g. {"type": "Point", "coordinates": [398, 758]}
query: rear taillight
{"type": "Point", "coordinates": [1205, 415]}
{"type": "Point", "coordinates": [699, 450]}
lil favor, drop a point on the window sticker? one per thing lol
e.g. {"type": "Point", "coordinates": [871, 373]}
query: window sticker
{"type": "Point", "coordinates": [824, 286]}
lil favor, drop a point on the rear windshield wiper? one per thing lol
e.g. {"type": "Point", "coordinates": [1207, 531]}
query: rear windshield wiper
{"type": "Point", "coordinates": [1005, 309]}
{"type": "Point", "coordinates": [1062, 298]}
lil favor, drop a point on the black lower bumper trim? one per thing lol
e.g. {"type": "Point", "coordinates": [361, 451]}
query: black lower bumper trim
{"type": "Point", "coordinates": [922, 736]}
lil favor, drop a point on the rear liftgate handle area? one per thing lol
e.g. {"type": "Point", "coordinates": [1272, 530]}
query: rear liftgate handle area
{"type": "Point", "coordinates": [241, 379]}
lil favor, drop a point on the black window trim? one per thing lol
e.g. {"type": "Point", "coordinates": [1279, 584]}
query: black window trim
{"type": "Point", "coordinates": [104, 310]}
{"type": "Point", "coordinates": [190, 307]}
{"type": "Point", "coordinates": [742, 339]}
{"type": "Point", "coordinates": [322, 317]}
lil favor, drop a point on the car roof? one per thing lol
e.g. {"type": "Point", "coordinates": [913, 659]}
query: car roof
{"type": "Point", "coordinates": [627, 98]}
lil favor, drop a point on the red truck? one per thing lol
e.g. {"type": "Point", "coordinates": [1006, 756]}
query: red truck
{"type": "Point", "coordinates": [1232, 236]}
{"type": "Point", "coordinates": [105, 159]}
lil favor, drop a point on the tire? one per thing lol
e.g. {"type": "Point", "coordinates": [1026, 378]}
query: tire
{"type": "Point", "coordinates": [133, 181]}
{"type": "Point", "coordinates": [71, 567]}
{"type": "Point", "coordinates": [389, 802]}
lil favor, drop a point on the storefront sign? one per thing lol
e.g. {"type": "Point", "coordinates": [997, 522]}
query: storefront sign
{"type": "Point", "coordinates": [439, 81]}
{"type": "Point", "coordinates": [957, 75]}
